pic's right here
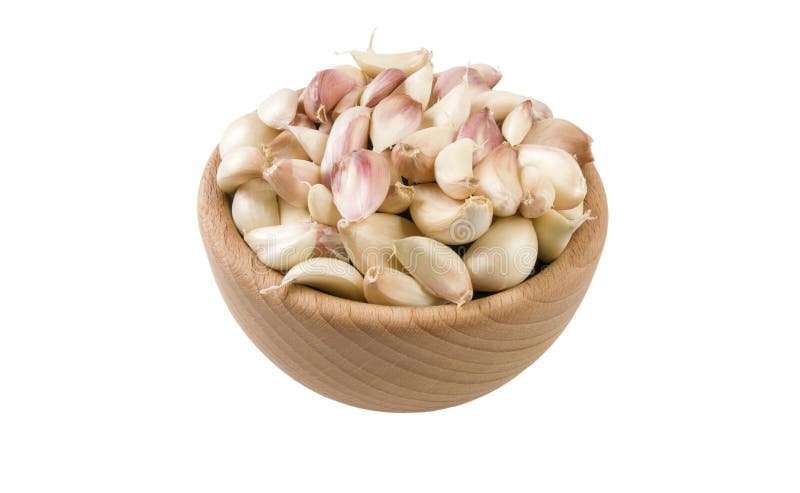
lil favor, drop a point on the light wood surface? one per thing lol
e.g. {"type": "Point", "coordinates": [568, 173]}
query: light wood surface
{"type": "Point", "coordinates": [399, 359]}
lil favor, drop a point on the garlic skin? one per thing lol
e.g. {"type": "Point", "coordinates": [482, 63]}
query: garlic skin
{"type": "Point", "coordinates": [518, 123]}
{"type": "Point", "coordinates": [538, 193]}
{"type": "Point", "coordinates": [246, 131]}
{"type": "Point", "coordinates": [369, 242]}
{"type": "Point", "coordinates": [387, 286]}
{"type": "Point", "coordinates": [498, 179]}
{"type": "Point", "coordinates": [284, 146]}
{"type": "Point", "coordinates": [291, 179]}
{"type": "Point", "coordinates": [312, 141]}
{"type": "Point", "coordinates": [329, 275]}
{"type": "Point", "coordinates": [483, 131]}
{"type": "Point", "coordinates": [321, 206]}
{"type": "Point", "coordinates": [278, 110]}
{"type": "Point", "coordinates": [554, 232]}
{"type": "Point", "coordinates": [393, 119]}
{"type": "Point", "coordinates": [449, 79]}
{"type": "Point", "coordinates": [502, 103]}
{"type": "Point", "coordinates": [382, 86]}
{"type": "Point", "coordinates": [504, 256]}
{"type": "Point", "coordinates": [360, 183]}
{"type": "Point", "coordinates": [415, 155]}
{"type": "Point", "coordinates": [447, 220]}
{"type": "Point", "coordinates": [452, 110]}
{"type": "Point", "coordinates": [239, 166]}
{"type": "Point", "coordinates": [436, 267]}
{"type": "Point", "coordinates": [564, 135]}
{"type": "Point", "coordinates": [453, 169]}
{"type": "Point", "coordinates": [254, 205]}
{"type": "Point", "coordinates": [325, 91]}
{"type": "Point", "coordinates": [418, 86]}
{"type": "Point", "coordinates": [560, 169]}
{"type": "Point", "coordinates": [284, 246]}
{"type": "Point", "coordinates": [489, 74]}
{"type": "Point", "coordinates": [372, 63]}
{"type": "Point", "coordinates": [349, 132]}
{"type": "Point", "coordinates": [291, 214]}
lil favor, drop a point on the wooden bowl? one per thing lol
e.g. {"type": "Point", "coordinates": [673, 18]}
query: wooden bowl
{"type": "Point", "coordinates": [398, 359]}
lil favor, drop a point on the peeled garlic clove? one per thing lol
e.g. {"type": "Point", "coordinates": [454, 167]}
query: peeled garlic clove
{"type": "Point", "coordinates": [278, 110]}
{"type": "Point", "coordinates": [372, 63]}
{"type": "Point", "coordinates": [369, 242]}
{"type": "Point", "coordinates": [291, 179]}
{"type": "Point", "coordinates": [349, 100]}
{"type": "Point", "coordinates": [449, 79]}
{"type": "Point", "coordinates": [450, 221]}
{"type": "Point", "coordinates": [349, 132]}
{"type": "Point", "coordinates": [560, 169]}
{"type": "Point", "coordinates": [564, 135]}
{"type": "Point", "coordinates": [452, 110]}
{"type": "Point", "coordinates": [518, 123]}
{"type": "Point", "coordinates": [483, 131]}
{"type": "Point", "coordinates": [453, 169]}
{"type": "Point", "coordinates": [246, 131]}
{"type": "Point", "coordinates": [489, 74]}
{"type": "Point", "coordinates": [325, 91]}
{"type": "Point", "coordinates": [311, 140]}
{"type": "Point", "coordinates": [239, 166]}
{"type": "Point", "coordinates": [538, 193]}
{"type": "Point", "coordinates": [498, 179]}
{"type": "Point", "coordinates": [291, 214]}
{"type": "Point", "coordinates": [504, 256]}
{"type": "Point", "coordinates": [284, 146]}
{"type": "Point", "coordinates": [284, 246]}
{"type": "Point", "coordinates": [398, 199]}
{"type": "Point", "coordinates": [393, 119]}
{"type": "Point", "coordinates": [381, 86]}
{"type": "Point", "coordinates": [329, 275]}
{"type": "Point", "coordinates": [414, 156]}
{"type": "Point", "coordinates": [418, 85]}
{"type": "Point", "coordinates": [254, 205]}
{"type": "Point", "coordinates": [436, 267]}
{"type": "Point", "coordinates": [321, 206]}
{"type": "Point", "coordinates": [502, 103]}
{"type": "Point", "coordinates": [360, 182]}
{"type": "Point", "coordinates": [554, 232]}
{"type": "Point", "coordinates": [387, 286]}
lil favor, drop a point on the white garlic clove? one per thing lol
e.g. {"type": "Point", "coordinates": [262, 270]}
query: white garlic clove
{"type": "Point", "coordinates": [349, 132]}
{"type": "Point", "coordinates": [398, 199]}
{"type": "Point", "coordinates": [560, 169]}
{"type": "Point", "coordinates": [372, 63]}
{"type": "Point", "coordinates": [382, 86]}
{"type": "Point", "coordinates": [393, 119]}
{"type": "Point", "coordinates": [498, 179]}
{"type": "Point", "coordinates": [518, 123]}
{"type": "Point", "coordinates": [449, 79]}
{"type": "Point", "coordinates": [284, 246]}
{"type": "Point", "coordinates": [483, 131]}
{"type": "Point", "coordinates": [418, 85]}
{"type": "Point", "coordinates": [452, 110]}
{"type": "Point", "coordinates": [414, 156]}
{"type": "Point", "coordinates": [538, 193]}
{"type": "Point", "coordinates": [436, 267]}
{"type": "Point", "coordinates": [321, 206]}
{"type": "Point", "coordinates": [387, 286]}
{"type": "Point", "coordinates": [554, 231]}
{"type": "Point", "coordinates": [349, 100]}
{"type": "Point", "coordinates": [369, 242]}
{"type": "Point", "coordinates": [573, 213]}
{"type": "Point", "coordinates": [312, 141]}
{"type": "Point", "coordinates": [246, 131]}
{"type": "Point", "coordinates": [291, 214]}
{"type": "Point", "coordinates": [502, 103]}
{"type": "Point", "coordinates": [254, 205]}
{"type": "Point", "coordinates": [453, 169]}
{"type": "Point", "coordinates": [564, 135]}
{"type": "Point", "coordinates": [360, 182]}
{"type": "Point", "coordinates": [330, 275]}
{"type": "Point", "coordinates": [291, 179]}
{"type": "Point", "coordinates": [284, 146]}
{"type": "Point", "coordinates": [278, 110]}
{"type": "Point", "coordinates": [301, 120]}
{"type": "Point", "coordinates": [239, 166]}
{"type": "Point", "coordinates": [489, 74]}
{"type": "Point", "coordinates": [504, 256]}
{"type": "Point", "coordinates": [450, 221]}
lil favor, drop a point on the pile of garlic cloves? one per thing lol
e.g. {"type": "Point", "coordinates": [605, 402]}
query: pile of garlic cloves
{"type": "Point", "coordinates": [392, 184]}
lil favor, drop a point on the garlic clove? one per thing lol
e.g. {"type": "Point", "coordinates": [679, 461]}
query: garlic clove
{"type": "Point", "coordinates": [489, 74]}
{"type": "Point", "coordinates": [284, 246]}
{"type": "Point", "coordinates": [284, 146]}
{"type": "Point", "coordinates": [278, 110]}
{"type": "Point", "coordinates": [453, 169]}
{"type": "Point", "coordinates": [329, 275]}
{"type": "Point", "coordinates": [387, 286]}
{"type": "Point", "coordinates": [564, 135]}
{"type": "Point", "coordinates": [325, 91]}
{"type": "Point", "coordinates": [498, 179]}
{"type": "Point", "coordinates": [504, 256]}
{"type": "Point", "coordinates": [554, 231]}
{"type": "Point", "coordinates": [381, 86]}
{"type": "Point", "coordinates": [418, 85]}
{"type": "Point", "coordinates": [502, 103]}
{"type": "Point", "coordinates": [449, 79]}
{"type": "Point", "coordinates": [369, 242]}
{"type": "Point", "coordinates": [354, 73]}
{"type": "Point", "coordinates": [450, 221]}
{"type": "Point", "coordinates": [349, 132]}
{"type": "Point", "coordinates": [393, 119]}
{"type": "Point", "coordinates": [291, 179]}
{"type": "Point", "coordinates": [414, 156]}
{"type": "Point", "coordinates": [360, 182]}
{"type": "Point", "coordinates": [239, 166]}
{"type": "Point", "coordinates": [483, 131]}
{"type": "Point", "coordinates": [538, 193]}
{"type": "Point", "coordinates": [436, 267]}
{"type": "Point", "coordinates": [398, 199]}
{"type": "Point", "coordinates": [349, 100]}
{"type": "Point", "coordinates": [291, 214]}
{"type": "Point", "coordinates": [452, 110]}
{"type": "Point", "coordinates": [560, 169]}
{"type": "Point", "coordinates": [311, 140]}
{"type": "Point", "coordinates": [573, 213]}
{"type": "Point", "coordinates": [246, 131]}
{"type": "Point", "coordinates": [372, 63]}
{"type": "Point", "coordinates": [254, 205]}
{"type": "Point", "coordinates": [301, 120]}
{"type": "Point", "coordinates": [518, 123]}
{"type": "Point", "coordinates": [321, 206]}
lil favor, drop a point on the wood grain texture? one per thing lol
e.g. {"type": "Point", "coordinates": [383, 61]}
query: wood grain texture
{"type": "Point", "coordinates": [399, 359]}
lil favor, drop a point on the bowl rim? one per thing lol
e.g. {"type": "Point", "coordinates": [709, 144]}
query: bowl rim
{"type": "Point", "coordinates": [581, 253]}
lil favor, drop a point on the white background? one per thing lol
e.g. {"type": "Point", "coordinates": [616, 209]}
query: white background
{"type": "Point", "coordinates": [122, 370]}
